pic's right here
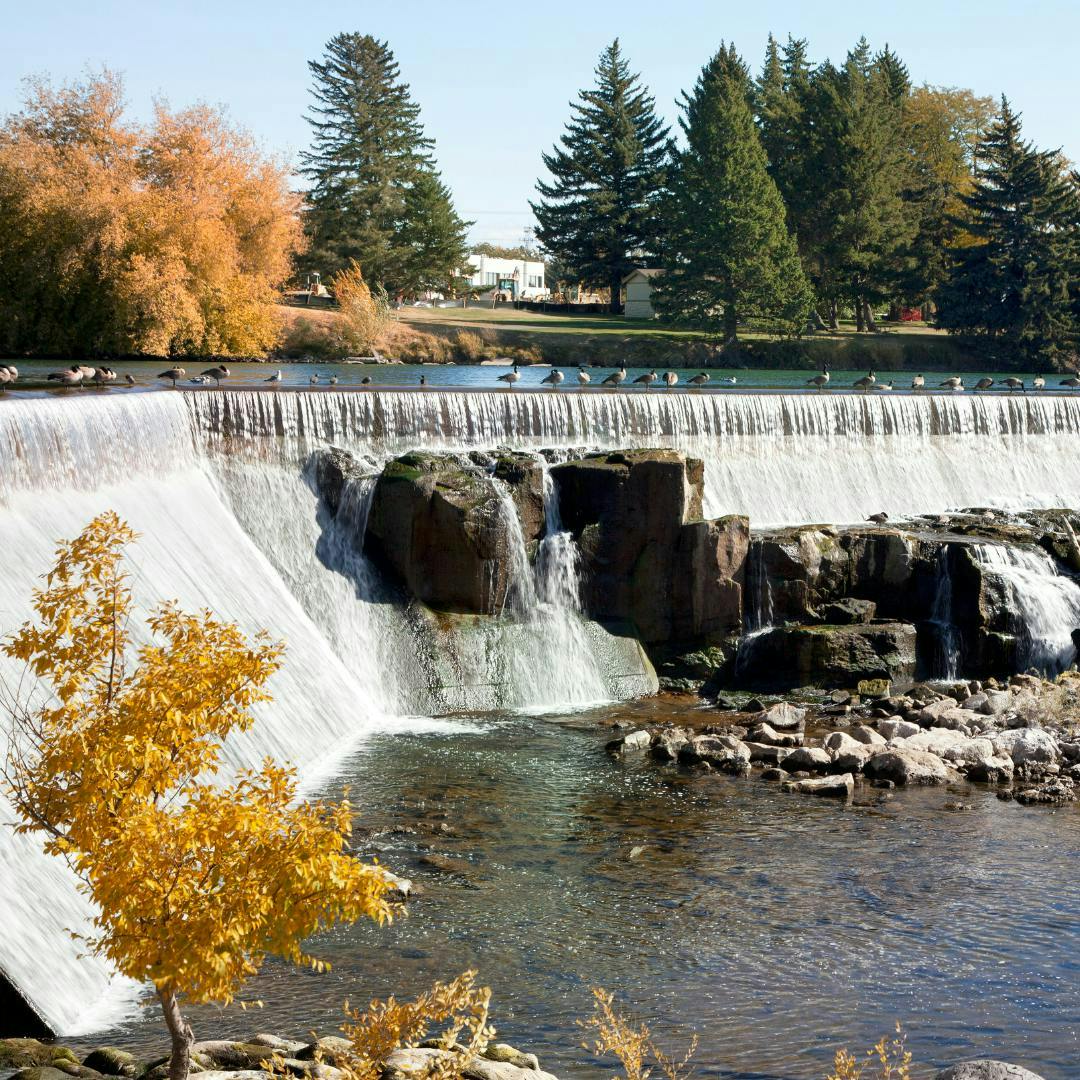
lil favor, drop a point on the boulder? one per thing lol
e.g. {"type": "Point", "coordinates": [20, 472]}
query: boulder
{"type": "Point", "coordinates": [937, 741]}
{"type": "Point", "coordinates": [767, 754]}
{"type": "Point", "coordinates": [808, 759]}
{"type": "Point", "coordinates": [907, 767]}
{"type": "Point", "coordinates": [786, 657]}
{"type": "Point", "coordinates": [992, 770]}
{"type": "Point", "coordinates": [867, 735]}
{"type": "Point", "coordinates": [23, 1053]}
{"type": "Point", "coordinates": [636, 740]}
{"type": "Point", "coordinates": [648, 557]}
{"type": "Point", "coordinates": [986, 1070]}
{"type": "Point", "coordinates": [722, 752]}
{"type": "Point", "coordinates": [830, 787]}
{"type": "Point", "coordinates": [783, 716]}
{"type": "Point", "coordinates": [441, 528]}
{"type": "Point", "coordinates": [874, 688]}
{"type": "Point", "coordinates": [332, 1049]}
{"type": "Point", "coordinates": [849, 611]}
{"type": "Point", "coordinates": [419, 1062]}
{"type": "Point", "coordinates": [511, 1056]}
{"type": "Point", "coordinates": [1025, 745]}
{"type": "Point", "coordinates": [53, 1072]}
{"type": "Point", "coordinates": [111, 1061]}
{"type": "Point", "coordinates": [289, 1047]}
{"type": "Point", "coordinates": [223, 1054]}
{"type": "Point", "coordinates": [767, 734]}
{"type": "Point", "coordinates": [667, 743]}
{"type": "Point", "coordinates": [895, 728]}
{"type": "Point", "coordinates": [997, 702]}
{"type": "Point", "coordinates": [523, 476]}
{"type": "Point", "coordinates": [334, 469]}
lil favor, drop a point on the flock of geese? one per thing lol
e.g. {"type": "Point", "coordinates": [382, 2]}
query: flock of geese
{"type": "Point", "coordinates": [615, 379]}
{"type": "Point", "coordinates": [955, 382]}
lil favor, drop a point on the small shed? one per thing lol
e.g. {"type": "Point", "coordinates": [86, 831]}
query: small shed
{"type": "Point", "coordinates": [639, 286]}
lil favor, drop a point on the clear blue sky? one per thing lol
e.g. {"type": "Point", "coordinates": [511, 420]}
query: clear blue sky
{"type": "Point", "coordinates": [493, 80]}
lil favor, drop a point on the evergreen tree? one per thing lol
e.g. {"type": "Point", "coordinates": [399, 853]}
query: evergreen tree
{"type": "Point", "coordinates": [1015, 284]}
{"type": "Point", "coordinates": [368, 152]}
{"type": "Point", "coordinates": [432, 236]}
{"type": "Point", "coordinates": [599, 215]}
{"type": "Point", "coordinates": [730, 254]}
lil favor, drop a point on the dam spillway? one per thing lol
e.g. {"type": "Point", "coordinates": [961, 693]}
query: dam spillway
{"type": "Point", "coordinates": [212, 480]}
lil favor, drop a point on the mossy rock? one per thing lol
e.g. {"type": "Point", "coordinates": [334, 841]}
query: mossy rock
{"type": "Point", "coordinates": [25, 1053]}
{"type": "Point", "coordinates": [111, 1061]}
{"type": "Point", "coordinates": [43, 1072]}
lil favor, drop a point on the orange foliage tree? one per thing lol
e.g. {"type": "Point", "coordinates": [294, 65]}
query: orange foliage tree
{"type": "Point", "coordinates": [115, 238]}
{"type": "Point", "coordinates": [196, 879]}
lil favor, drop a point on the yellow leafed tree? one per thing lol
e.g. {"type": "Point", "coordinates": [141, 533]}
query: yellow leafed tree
{"type": "Point", "coordinates": [196, 879]}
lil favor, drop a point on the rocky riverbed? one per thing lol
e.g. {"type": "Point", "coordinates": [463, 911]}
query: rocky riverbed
{"type": "Point", "coordinates": [1022, 738]}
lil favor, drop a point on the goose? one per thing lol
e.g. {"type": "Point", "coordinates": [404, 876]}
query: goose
{"type": "Point", "coordinates": [615, 378]}
{"type": "Point", "coordinates": [918, 382]}
{"type": "Point", "coordinates": [71, 376]}
{"type": "Point", "coordinates": [699, 380]}
{"type": "Point", "coordinates": [314, 379]}
{"type": "Point", "coordinates": [954, 382]}
{"type": "Point", "coordinates": [865, 383]}
{"type": "Point", "coordinates": [822, 380]}
{"type": "Point", "coordinates": [217, 374]}
{"type": "Point", "coordinates": [1039, 382]}
{"type": "Point", "coordinates": [366, 380]}
{"type": "Point", "coordinates": [511, 377]}
{"type": "Point", "coordinates": [1013, 383]}
{"type": "Point", "coordinates": [87, 373]}
{"type": "Point", "coordinates": [200, 380]}
{"type": "Point", "coordinates": [984, 384]}
{"type": "Point", "coordinates": [275, 378]}
{"type": "Point", "coordinates": [885, 386]}
{"type": "Point", "coordinates": [670, 379]}
{"type": "Point", "coordinates": [6, 377]}
{"type": "Point", "coordinates": [103, 375]}
{"type": "Point", "coordinates": [878, 519]}
{"type": "Point", "coordinates": [174, 373]}
{"type": "Point", "coordinates": [731, 380]}
{"type": "Point", "coordinates": [1072, 382]}
{"type": "Point", "coordinates": [129, 379]}
{"type": "Point", "coordinates": [423, 380]}
{"type": "Point", "coordinates": [647, 380]}
{"type": "Point", "coordinates": [583, 377]}
{"type": "Point", "coordinates": [554, 378]}
{"type": "Point", "coordinates": [333, 380]}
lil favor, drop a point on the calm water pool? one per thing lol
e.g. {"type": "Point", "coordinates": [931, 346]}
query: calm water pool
{"type": "Point", "coordinates": [777, 927]}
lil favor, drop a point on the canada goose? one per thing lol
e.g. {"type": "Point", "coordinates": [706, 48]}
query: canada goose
{"type": "Point", "coordinates": [984, 384]}
{"type": "Point", "coordinates": [954, 382]}
{"type": "Point", "coordinates": [865, 383]}
{"type": "Point", "coordinates": [731, 380]}
{"type": "Point", "coordinates": [884, 386]}
{"type": "Point", "coordinates": [918, 382]}
{"type": "Point", "coordinates": [71, 376]}
{"type": "Point", "coordinates": [878, 519]}
{"type": "Point", "coordinates": [511, 377]}
{"type": "Point", "coordinates": [217, 374]}
{"type": "Point", "coordinates": [820, 381]}
{"type": "Point", "coordinates": [648, 379]}
{"type": "Point", "coordinates": [1013, 383]}
{"type": "Point", "coordinates": [583, 377]}
{"type": "Point", "coordinates": [174, 373]}
{"type": "Point", "coordinates": [699, 380]}
{"type": "Point", "coordinates": [129, 379]}
{"type": "Point", "coordinates": [1072, 382]}
{"type": "Point", "coordinates": [423, 380]}
{"type": "Point", "coordinates": [103, 375]}
{"type": "Point", "coordinates": [7, 375]}
{"type": "Point", "coordinates": [615, 378]}
{"type": "Point", "coordinates": [275, 378]}
{"type": "Point", "coordinates": [314, 379]}
{"type": "Point", "coordinates": [670, 379]}
{"type": "Point", "coordinates": [1039, 382]}
{"type": "Point", "coordinates": [87, 373]}
{"type": "Point", "coordinates": [333, 380]}
{"type": "Point", "coordinates": [554, 378]}
{"type": "Point", "coordinates": [366, 380]}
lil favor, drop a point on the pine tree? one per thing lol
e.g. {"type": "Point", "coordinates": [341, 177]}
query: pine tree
{"type": "Point", "coordinates": [368, 152]}
{"type": "Point", "coordinates": [1015, 283]}
{"type": "Point", "coordinates": [599, 215]}
{"type": "Point", "coordinates": [432, 236]}
{"type": "Point", "coordinates": [730, 256]}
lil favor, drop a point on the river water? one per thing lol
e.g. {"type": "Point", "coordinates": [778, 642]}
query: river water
{"type": "Point", "coordinates": [775, 926]}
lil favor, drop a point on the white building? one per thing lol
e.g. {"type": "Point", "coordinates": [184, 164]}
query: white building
{"type": "Point", "coordinates": [639, 288]}
{"type": "Point", "coordinates": [517, 279]}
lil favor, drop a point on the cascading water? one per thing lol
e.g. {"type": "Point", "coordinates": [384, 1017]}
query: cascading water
{"type": "Point", "coordinates": [1046, 603]}
{"type": "Point", "coordinates": [947, 659]}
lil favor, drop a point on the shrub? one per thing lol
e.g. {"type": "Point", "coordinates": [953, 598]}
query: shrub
{"type": "Point", "coordinates": [888, 1060]}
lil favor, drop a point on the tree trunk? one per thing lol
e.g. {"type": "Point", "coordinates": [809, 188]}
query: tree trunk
{"type": "Point", "coordinates": [731, 324]}
{"type": "Point", "coordinates": [834, 315]}
{"type": "Point", "coordinates": [895, 311]}
{"type": "Point", "coordinates": [860, 315]}
{"type": "Point", "coordinates": [615, 306]}
{"type": "Point", "coordinates": [180, 1033]}
{"type": "Point", "coordinates": [868, 317]}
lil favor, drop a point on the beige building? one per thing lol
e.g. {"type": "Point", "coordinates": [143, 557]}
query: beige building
{"type": "Point", "coordinates": [639, 291]}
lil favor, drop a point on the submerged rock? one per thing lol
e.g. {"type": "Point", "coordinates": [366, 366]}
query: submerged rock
{"type": "Point", "coordinates": [830, 787]}
{"type": "Point", "coordinates": [986, 1070]}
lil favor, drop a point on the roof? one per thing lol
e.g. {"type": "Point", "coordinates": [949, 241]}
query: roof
{"type": "Point", "coordinates": [643, 272]}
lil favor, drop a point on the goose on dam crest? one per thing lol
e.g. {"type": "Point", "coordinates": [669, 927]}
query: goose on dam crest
{"type": "Point", "coordinates": [217, 374]}
{"type": "Point", "coordinates": [878, 519]}
{"type": "Point", "coordinates": [129, 379]}
{"type": "Point", "coordinates": [333, 380]}
{"type": "Point", "coordinates": [511, 377]}
{"type": "Point", "coordinates": [821, 380]}
{"type": "Point", "coordinates": [918, 382]}
{"type": "Point", "coordinates": [583, 377]}
{"type": "Point", "coordinates": [670, 379]}
{"type": "Point", "coordinates": [1039, 383]}
{"type": "Point", "coordinates": [8, 374]}
{"type": "Point", "coordinates": [174, 374]}
{"type": "Point", "coordinates": [647, 380]}
{"type": "Point", "coordinates": [615, 378]}
{"type": "Point", "coordinates": [953, 382]}
{"type": "Point", "coordinates": [884, 386]}
{"type": "Point", "coordinates": [731, 380]}
{"type": "Point", "coordinates": [1072, 382]}
{"type": "Point", "coordinates": [553, 379]}
{"type": "Point", "coordinates": [1013, 383]}
{"type": "Point", "coordinates": [699, 380]}
{"type": "Point", "coordinates": [275, 378]}
{"type": "Point", "coordinates": [423, 380]}
{"type": "Point", "coordinates": [984, 384]}
{"type": "Point", "coordinates": [71, 376]}
{"type": "Point", "coordinates": [313, 380]}
{"type": "Point", "coordinates": [366, 380]}
{"type": "Point", "coordinates": [865, 383]}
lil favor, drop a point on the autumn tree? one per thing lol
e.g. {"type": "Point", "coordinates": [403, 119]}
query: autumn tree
{"type": "Point", "coordinates": [599, 215]}
{"type": "Point", "coordinates": [195, 878]}
{"type": "Point", "coordinates": [117, 238]}
{"type": "Point", "coordinates": [729, 255]}
{"type": "Point", "coordinates": [365, 316]}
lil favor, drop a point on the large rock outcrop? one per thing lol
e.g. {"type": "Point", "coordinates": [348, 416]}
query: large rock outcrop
{"type": "Point", "coordinates": [648, 556]}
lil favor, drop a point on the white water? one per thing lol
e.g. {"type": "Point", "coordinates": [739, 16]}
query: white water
{"type": "Point", "coordinates": [780, 458]}
{"type": "Point", "coordinates": [1047, 603]}
{"type": "Point", "coordinates": [948, 643]}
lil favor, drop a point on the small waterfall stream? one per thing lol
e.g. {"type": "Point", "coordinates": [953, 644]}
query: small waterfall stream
{"type": "Point", "coordinates": [947, 658]}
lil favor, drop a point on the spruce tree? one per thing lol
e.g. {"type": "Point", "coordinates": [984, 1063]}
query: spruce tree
{"type": "Point", "coordinates": [368, 152]}
{"type": "Point", "coordinates": [432, 236]}
{"type": "Point", "coordinates": [1014, 285]}
{"type": "Point", "coordinates": [730, 256]}
{"type": "Point", "coordinates": [599, 214]}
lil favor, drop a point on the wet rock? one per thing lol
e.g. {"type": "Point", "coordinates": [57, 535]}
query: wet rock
{"type": "Point", "coordinates": [766, 754]}
{"type": "Point", "coordinates": [830, 787]}
{"type": "Point", "coordinates": [54, 1072]}
{"type": "Point", "coordinates": [636, 740]}
{"type": "Point", "coordinates": [1026, 745]}
{"type": "Point", "coordinates": [223, 1054]}
{"type": "Point", "coordinates": [334, 469]}
{"type": "Point", "coordinates": [766, 733]}
{"type": "Point", "coordinates": [907, 767]}
{"type": "Point", "coordinates": [849, 611]}
{"type": "Point", "coordinates": [808, 759]}
{"type": "Point", "coordinates": [22, 1053]}
{"type": "Point", "coordinates": [523, 476]}
{"type": "Point", "coordinates": [111, 1061]}
{"type": "Point", "coordinates": [788, 656]}
{"type": "Point", "coordinates": [986, 1069]}
{"type": "Point", "coordinates": [722, 752]}
{"type": "Point", "coordinates": [848, 754]}
{"type": "Point", "coordinates": [783, 716]}
{"type": "Point", "coordinates": [775, 774]}
{"type": "Point", "coordinates": [1055, 792]}
{"type": "Point", "coordinates": [874, 688]}
{"type": "Point", "coordinates": [992, 770]}
{"type": "Point", "coordinates": [666, 744]}
{"type": "Point", "coordinates": [446, 864]}
{"type": "Point", "coordinates": [648, 557]}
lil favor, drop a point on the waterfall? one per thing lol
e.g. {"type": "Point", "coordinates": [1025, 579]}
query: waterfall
{"type": "Point", "coordinates": [947, 660]}
{"type": "Point", "coordinates": [781, 458]}
{"type": "Point", "coordinates": [1045, 601]}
